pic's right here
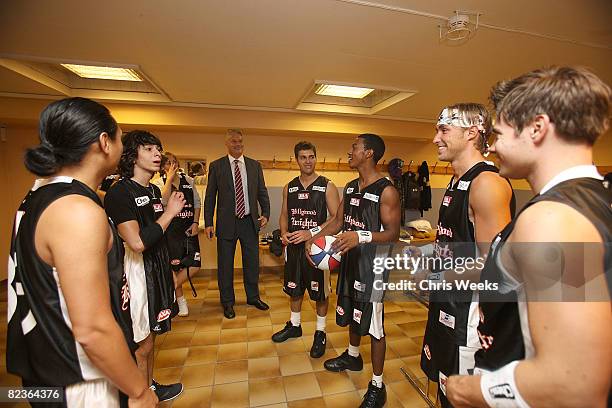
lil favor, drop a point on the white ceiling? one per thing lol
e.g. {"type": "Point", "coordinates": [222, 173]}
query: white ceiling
{"type": "Point", "coordinates": [265, 54]}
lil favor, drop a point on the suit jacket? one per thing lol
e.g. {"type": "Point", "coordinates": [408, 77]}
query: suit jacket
{"type": "Point", "coordinates": [221, 187]}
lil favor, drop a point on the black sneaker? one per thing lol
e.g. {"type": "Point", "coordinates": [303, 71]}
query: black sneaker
{"type": "Point", "coordinates": [166, 392]}
{"type": "Point", "coordinates": [375, 397]}
{"type": "Point", "coordinates": [344, 362]}
{"type": "Point", "coordinates": [288, 332]}
{"type": "Point", "coordinates": [318, 344]}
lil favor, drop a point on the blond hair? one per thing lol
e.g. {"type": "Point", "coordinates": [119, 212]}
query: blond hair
{"type": "Point", "coordinates": [475, 113]}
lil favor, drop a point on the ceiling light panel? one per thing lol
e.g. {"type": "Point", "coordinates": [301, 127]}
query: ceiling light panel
{"type": "Point", "coordinates": [343, 91]}
{"type": "Point", "coordinates": [97, 72]}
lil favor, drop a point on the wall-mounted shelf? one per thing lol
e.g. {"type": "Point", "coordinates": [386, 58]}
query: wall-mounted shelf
{"type": "Point", "coordinates": [342, 165]}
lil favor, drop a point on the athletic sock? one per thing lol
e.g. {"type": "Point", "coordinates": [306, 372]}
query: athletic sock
{"type": "Point", "coordinates": [296, 318]}
{"type": "Point", "coordinates": [181, 300]}
{"type": "Point", "coordinates": [377, 380]}
{"type": "Point", "coordinates": [353, 350]}
{"type": "Point", "coordinates": [321, 323]}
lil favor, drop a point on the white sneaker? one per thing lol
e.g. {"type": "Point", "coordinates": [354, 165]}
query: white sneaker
{"type": "Point", "coordinates": [183, 309]}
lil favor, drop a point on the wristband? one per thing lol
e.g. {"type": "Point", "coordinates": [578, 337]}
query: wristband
{"type": "Point", "coordinates": [314, 231]}
{"type": "Point", "coordinates": [196, 223]}
{"type": "Point", "coordinates": [499, 389]}
{"type": "Point", "coordinates": [364, 237]}
{"type": "Point", "coordinates": [151, 234]}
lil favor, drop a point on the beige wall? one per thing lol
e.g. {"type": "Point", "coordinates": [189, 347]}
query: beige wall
{"type": "Point", "coordinates": [16, 180]}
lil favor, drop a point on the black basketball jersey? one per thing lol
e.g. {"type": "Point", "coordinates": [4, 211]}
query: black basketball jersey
{"type": "Point", "coordinates": [456, 238]}
{"type": "Point", "coordinates": [454, 225]}
{"type": "Point", "coordinates": [41, 347]}
{"type": "Point", "coordinates": [306, 207]}
{"type": "Point", "coordinates": [361, 213]}
{"type": "Point", "coordinates": [183, 219]}
{"type": "Point", "coordinates": [146, 205]}
{"type": "Point", "coordinates": [504, 327]}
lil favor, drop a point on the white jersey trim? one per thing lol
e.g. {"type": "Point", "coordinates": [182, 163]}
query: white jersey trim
{"type": "Point", "coordinates": [28, 323]}
{"type": "Point", "coordinates": [38, 183]}
{"type": "Point", "coordinates": [88, 370]}
{"type": "Point", "coordinates": [575, 172]}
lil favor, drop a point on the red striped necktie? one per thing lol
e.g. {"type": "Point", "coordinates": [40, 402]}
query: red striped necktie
{"type": "Point", "coordinates": [240, 206]}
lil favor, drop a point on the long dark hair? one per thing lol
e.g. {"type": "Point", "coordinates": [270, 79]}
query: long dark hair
{"type": "Point", "coordinates": [67, 129]}
{"type": "Point", "coordinates": [131, 141]}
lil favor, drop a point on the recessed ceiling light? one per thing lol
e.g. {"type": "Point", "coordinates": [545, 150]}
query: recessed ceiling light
{"type": "Point", "coordinates": [96, 72]}
{"type": "Point", "coordinates": [343, 91]}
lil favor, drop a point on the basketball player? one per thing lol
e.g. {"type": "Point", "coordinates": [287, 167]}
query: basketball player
{"type": "Point", "coordinates": [547, 353]}
{"type": "Point", "coordinates": [182, 233]}
{"type": "Point", "coordinates": [307, 199]}
{"type": "Point", "coordinates": [477, 204]}
{"type": "Point", "coordinates": [63, 328]}
{"type": "Point", "coordinates": [135, 207]}
{"type": "Point", "coordinates": [369, 214]}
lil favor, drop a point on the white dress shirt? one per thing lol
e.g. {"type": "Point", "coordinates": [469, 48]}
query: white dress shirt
{"type": "Point", "coordinates": [243, 174]}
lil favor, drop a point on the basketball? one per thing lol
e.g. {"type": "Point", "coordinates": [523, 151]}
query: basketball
{"type": "Point", "coordinates": [322, 255]}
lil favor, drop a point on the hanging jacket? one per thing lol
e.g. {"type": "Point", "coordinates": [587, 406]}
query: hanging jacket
{"type": "Point", "coordinates": [423, 182]}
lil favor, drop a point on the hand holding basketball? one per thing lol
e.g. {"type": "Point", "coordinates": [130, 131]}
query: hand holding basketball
{"type": "Point", "coordinates": [345, 241]}
{"type": "Point", "coordinates": [322, 254]}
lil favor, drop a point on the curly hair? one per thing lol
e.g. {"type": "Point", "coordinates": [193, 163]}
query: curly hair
{"type": "Point", "coordinates": [131, 141]}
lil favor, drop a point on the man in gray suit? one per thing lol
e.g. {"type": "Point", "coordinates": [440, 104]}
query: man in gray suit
{"type": "Point", "coordinates": [235, 185]}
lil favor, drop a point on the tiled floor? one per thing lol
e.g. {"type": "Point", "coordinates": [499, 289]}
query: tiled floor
{"type": "Point", "coordinates": [233, 363]}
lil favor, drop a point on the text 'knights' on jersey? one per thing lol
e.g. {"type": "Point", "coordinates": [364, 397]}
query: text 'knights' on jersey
{"type": "Point", "coordinates": [306, 207]}
{"type": "Point", "coordinates": [454, 224]}
{"type": "Point", "coordinates": [362, 208]}
{"type": "Point", "coordinates": [185, 187]}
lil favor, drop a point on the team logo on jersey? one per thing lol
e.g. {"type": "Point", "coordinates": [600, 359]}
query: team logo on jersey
{"type": "Point", "coordinates": [357, 315]}
{"type": "Point", "coordinates": [463, 185]}
{"type": "Point", "coordinates": [293, 189]}
{"type": "Point", "coordinates": [319, 188]}
{"type": "Point", "coordinates": [349, 190]}
{"type": "Point", "coordinates": [447, 319]}
{"type": "Point", "coordinates": [501, 391]}
{"type": "Point", "coordinates": [442, 381]}
{"type": "Point", "coordinates": [291, 285]}
{"type": "Point", "coordinates": [446, 200]}
{"type": "Point", "coordinates": [355, 202]}
{"type": "Point", "coordinates": [340, 310]}
{"type": "Point", "coordinates": [359, 286]}
{"type": "Point", "coordinates": [303, 196]}
{"type": "Point", "coordinates": [314, 285]}
{"type": "Point", "coordinates": [141, 201]}
{"type": "Point", "coordinates": [163, 315]}
{"type": "Point", "coordinates": [371, 197]}
{"type": "Point", "coordinates": [196, 256]}
{"type": "Point", "coordinates": [187, 186]}
{"type": "Point", "coordinates": [427, 352]}
{"type": "Point", "coordinates": [158, 207]}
